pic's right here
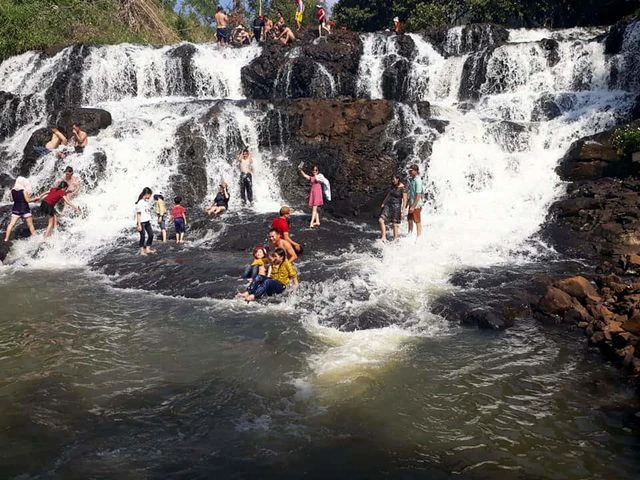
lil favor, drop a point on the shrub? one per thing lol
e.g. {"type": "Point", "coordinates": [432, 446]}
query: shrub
{"type": "Point", "coordinates": [626, 139]}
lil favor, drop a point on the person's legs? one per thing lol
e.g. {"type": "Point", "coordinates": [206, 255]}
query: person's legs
{"type": "Point", "coordinates": [32, 230]}
{"type": "Point", "coordinates": [147, 226]}
{"type": "Point", "coordinates": [410, 222]}
{"type": "Point", "coordinates": [314, 209]}
{"type": "Point", "coordinates": [249, 186]}
{"type": "Point", "coordinates": [383, 229]}
{"type": "Point", "coordinates": [12, 223]}
{"type": "Point", "coordinates": [50, 226]}
{"type": "Point", "coordinates": [417, 218]}
{"type": "Point", "coordinates": [242, 189]}
{"type": "Point", "coordinates": [395, 227]}
{"type": "Point", "coordinates": [164, 235]}
{"type": "Point", "coordinates": [273, 287]}
{"type": "Point", "coordinates": [142, 240]}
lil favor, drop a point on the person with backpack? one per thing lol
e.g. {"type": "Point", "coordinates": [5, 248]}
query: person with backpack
{"type": "Point", "coordinates": [415, 199]}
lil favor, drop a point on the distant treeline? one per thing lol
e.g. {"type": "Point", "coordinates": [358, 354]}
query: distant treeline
{"type": "Point", "coordinates": [372, 15]}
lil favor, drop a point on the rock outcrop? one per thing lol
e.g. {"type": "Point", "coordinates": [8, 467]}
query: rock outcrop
{"type": "Point", "coordinates": [320, 69]}
{"type": "Point", "coordinates": [92, 120]}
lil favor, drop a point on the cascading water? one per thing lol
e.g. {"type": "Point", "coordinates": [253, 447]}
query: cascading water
{"type": "Point", "coordinates": [272, 377]}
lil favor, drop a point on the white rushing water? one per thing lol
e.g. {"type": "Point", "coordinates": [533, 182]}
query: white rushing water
{"type": "Point", "coordinates": [490, 175]}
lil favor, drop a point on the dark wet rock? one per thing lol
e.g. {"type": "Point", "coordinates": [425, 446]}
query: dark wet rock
{"type": "Point", "coordinates": [91, 120]}
{"type": "Point", "coordinates": [550, 46]}
{"type": "Point", "coordinates": [513, 136]}
{"type": "Point", "coordinates": [395, 78]}
{"type": "Point", "coordinates": [15, 112]}
{"type": "Point", "coordinates": [92, 177]}
{"type": "Point", "coordinates": [66, 89]}
{"type": "Point", "coordinates": [190, 180]}
{"type": "Point", "coordinates": [472, 38]}
{"type": "Point", "coordinates": [474, 76]}
{"type": "Point", "coordinates": [184, 53]}
{"type": "Point", "coordinates": [293, 72]}
{"type": "Point", "coordinates": [438, 124]}
{"type": "Point", "coordinates": [423, 109]}
{"type": "Point", "coordinates": [545, 109]}
{"type": "Point", "coordinates": [615, 36]}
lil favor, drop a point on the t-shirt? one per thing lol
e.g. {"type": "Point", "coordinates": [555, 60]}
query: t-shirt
{"type": "Point", "coordinates": [142, 207]}
{"type": "Point", "coordinates": [321, 15]}
{"type": "Point", "coordinates": [280, 224]}
{"type": "Point", "coordinates": [160, 207]}
{"type": "Point", "coordinates": [258, 24]}
{"type": "Point", "coordinates": [257, 262]}
{"type": "Point", "coordinates": [178, 211]}
{"type": "Point", "coordinates": [54, 196]}
{"type": "Point", "coordinates": [415, 189]}
{"type": "Point", "coordinates": [283, 272]}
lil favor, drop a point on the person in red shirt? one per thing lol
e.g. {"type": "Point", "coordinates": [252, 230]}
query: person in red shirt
{"type": "Point", "coordinates": [281, 225]}
{"type": "Point", "coordinates": [321, 15]}
{"type": "Point", "coordinates": [49, 202]}
{"type": "Point", "coordinates": [179, 214]}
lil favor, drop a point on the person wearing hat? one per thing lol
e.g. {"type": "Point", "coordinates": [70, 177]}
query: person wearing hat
{"type": "Point", "coordinates": [397, 26]}
{"type": "Point", "coordinates": [281, 225]}
{"type": "Point", "coordinates": [415, 199]}
{"type": "Point", "coordinates": [239, 36]}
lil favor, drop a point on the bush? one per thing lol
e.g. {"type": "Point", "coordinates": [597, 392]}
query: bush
{"type": "Point", "coordinates": [626, 139]}
{"type": "Point", "coordinates": [428, 15]}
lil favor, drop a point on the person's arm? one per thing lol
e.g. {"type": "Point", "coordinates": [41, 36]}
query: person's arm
{"type": "Point", "coordinates": [405, 199]}
{"type": "Point", "coordinates": [292, 256]}
{"type": "Point", "coordinates": [185, 218]}
{"type": "Point", "coordinates": [293, 276]}
{"type": "Point", "coordinates": [308, 177]}
{"type": "Point", "coordinates": [384, 202]}
{"type": "Point", "coordinates": [66, 200]}
{"type": "Point", "coordinates": [30, 199]}
{"type": "Point", "coordinates": [226, 194]}
{"type": "Point", "coordinates": [138, 222]}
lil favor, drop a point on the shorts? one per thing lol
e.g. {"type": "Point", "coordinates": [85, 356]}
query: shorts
{"type": "Point", "coordinates": [222, 34]}
{"type": "Point", "coordinates": [392, 213]}
{"type": "Point", "coordinates": [179, 224]}
{"type": "Point", "coordinates": [299, 17]}
{"type": "Point", "coordinates": [415, 216]}
{"type": "Point", "coordinates": [21, 215]}
{"type": "Point", "coordinates": [163, 222]}
{"type": "Point", "coordinates": [41, 151]}
{"type": "Point", "coordinates": [47, 209]}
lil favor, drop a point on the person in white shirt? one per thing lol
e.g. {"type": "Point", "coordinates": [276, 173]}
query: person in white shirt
{"type": "Point", "coordinates": [143, 221]}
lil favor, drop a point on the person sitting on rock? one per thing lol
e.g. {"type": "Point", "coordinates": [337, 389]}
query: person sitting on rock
{"type": "Point", "coordinates": [221, 201]}
{"type": "Point", "coordinates": [286, 36]}
{"type": "Point", "coordinates": [80, 138]}
{"type": "Point", "coordinates": [240, 36]}
{"type": "Point", "coordinates": [282, 274]}
{"type": "Point", "coordinates": [57, 139]}
{"type": "Point", "coordinates": [276, 241]}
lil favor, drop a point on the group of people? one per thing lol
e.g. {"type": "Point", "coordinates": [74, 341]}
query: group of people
{"type": "Point", "coordinates": [400, 199]}
{"type": "Point", "coordinates": [22, 195]}
{"type": "Point", "coordinates": [143, 219]}
{"type": "Point", "coordinates": [265, 29]}
{"type": "Point", "coordinates": [60, 145]}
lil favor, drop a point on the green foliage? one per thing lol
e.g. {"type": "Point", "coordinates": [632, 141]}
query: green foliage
{"type": "Point", "coordinates": [428, 15]}
{"type": "Point", "coordinates": [626, 139]}
{"type": "Point", "coordinates": [363, 15]}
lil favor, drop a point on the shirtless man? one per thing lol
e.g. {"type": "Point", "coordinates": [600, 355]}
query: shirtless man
{"type": "Point", "coordinates": [72, 180]}
{"type": "Point", "coordinates": [57, 139]}
{"type": "Point", "coordinates": [245, 162]}
{"type": "Point", "coordinates": [276, 241]}
{"type": "Point", "coordinates": [281, 225]}
{"type": "Point", "coordinates": [222, 33]}
{"type": "Point", "coordinates": [80, 137]}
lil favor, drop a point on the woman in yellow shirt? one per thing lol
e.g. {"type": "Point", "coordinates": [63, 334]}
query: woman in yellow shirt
{"type": "Point", "coordinates": [282, 273]}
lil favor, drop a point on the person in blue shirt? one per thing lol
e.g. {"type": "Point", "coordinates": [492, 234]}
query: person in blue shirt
{"type": "Point", "coordinates": [415, 199]}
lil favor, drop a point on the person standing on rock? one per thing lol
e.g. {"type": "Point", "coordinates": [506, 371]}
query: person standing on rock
{"type": "Point", "coordinates": [281, 225]}
{"type": "Point", "coordinates": [143, 221]}
{"type": "Point", "coordinates": [80, 137]}
{"type": "Point", "coordinates": [222, 34]}
{"type": "Point", "coordinates": [392, 207]}
{"type": "Point", "coordinates": [299, 13]}
{"type": "Point", "coordinates": [321, 15]}
{"type": "Point", "coordinates": [258, 28]}
{"type": "Point", "coordinates": [315, 193]}
{"type": "Point", "coordinates": [415, 200]}
{"type": "Point", "coordinates": [245, 162]}
{"type": "Point", "coordinates": [21, 196]}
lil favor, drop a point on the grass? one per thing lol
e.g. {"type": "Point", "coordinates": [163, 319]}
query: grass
{"type": "Point", "coordinates": [41, 24]}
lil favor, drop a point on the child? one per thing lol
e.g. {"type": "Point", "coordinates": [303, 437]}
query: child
{"type": "Point", "coordinates": [161, 212]}
{"type": "Point", "coordinates": [282, 273]}
{"type": "Point", "coordinates": [252, 270]}
{"type": "Point", "coordinates": [48, 205]}
{"type": "Point", "coordinates": [143, 221]}
{"type": "Point", "coordinates": [179, 214]}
